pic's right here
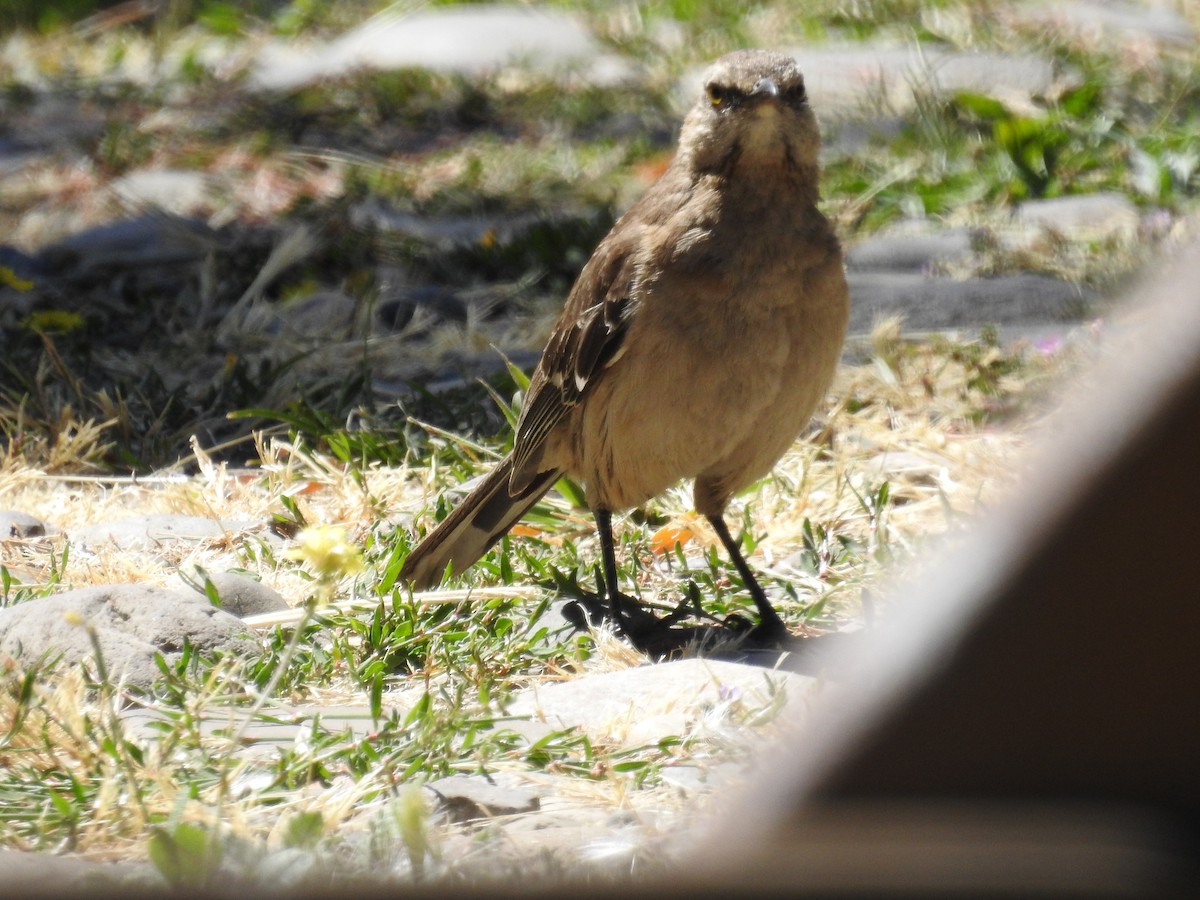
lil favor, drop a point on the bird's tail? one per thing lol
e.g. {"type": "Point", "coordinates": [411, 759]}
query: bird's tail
{"type": "Point", "coordinates": [478, 521]}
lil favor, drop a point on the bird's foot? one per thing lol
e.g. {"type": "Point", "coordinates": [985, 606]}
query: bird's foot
{"type": "Point", "coordinates": [664, 636]}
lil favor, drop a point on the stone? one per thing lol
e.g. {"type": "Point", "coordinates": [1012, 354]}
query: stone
{"type": "Point", "coordinates": [153, 531]}
{"type": "Point", "coordinates": [442, 304]}
{"type": "Point", "coordinates": [921, 468]}
{"type": "Point", "coordinates": [856, 81]}
{"type": "Point", "coordinates": [650, 702]}
{"type": "Point", "coordinates": [902, 252]}
{"type": "Point", "coordinates": [241, 595]}
{"type": "Point", "coordinates": [464, 798]}
{"type": "Point", "coordinates": [176, 191]}
{"type": "Point", "coordinates": [941, 304]}
{"type": "Point", "coordinates": [132, 623]}
{"type": "Point", "coordinates": [324, 315]}
{"type": "Point", "coordinates": [158, 239]}
{"type": "Point", "coordinates": [21, 264]}
{"type": "Point", "coordinates": [471, 39]}
{"type": "Point", "coordinates": [17, 524]}
{"type": "Point", "coordinates": [1113, 20]}
{"type": "Point", "coordinates": [1083, 216]}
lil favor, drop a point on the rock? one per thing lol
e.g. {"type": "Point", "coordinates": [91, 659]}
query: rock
{"type": "Point", "coordinates": [471, 39]}
{"type": "Point", "coordinates": [1085, 216]}
{"type": "Point", "coordinates": [921, 468]}
{"type": "Point", "coordinates": [153, 531]}
{"type": "Point", "coordinates": [132, 623]}
{"type": "Point", "coordinates": [941, 304]}
{"type": "Point", "coordinates": [21, 264]}
{"type": "Point", "coordinates": [151, 240]}
{"type": "Point", "coordinates": [859, 80]}
{"type": "Point", "coordinates": [647, 703]}
{"type": "Point", "coordinates": [325, 315]}
{"type": "Point", "coordinates": [899, 252]}
{"type": "Point", "coordinates": [443, 304]}
{"type": "Point", "coordinates": [241, 595]}
{"type": "Point", "coordinates": [466, 798]}
{"type": "Point", "coordinates": [17, 524]}
{"type": "Point", "coordinates": [176, 191]}
{"type": "Point", "coordinates": [1113, 20]}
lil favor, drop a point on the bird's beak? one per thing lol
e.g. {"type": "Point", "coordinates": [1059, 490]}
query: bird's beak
{"type": "Point", "coordinates": [765, 88]}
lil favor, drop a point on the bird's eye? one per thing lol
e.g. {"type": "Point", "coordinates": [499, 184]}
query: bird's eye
{"type": "Point", "coordinates": [717, 96]}
{"type": "Point", "coordinates": [795, 94]}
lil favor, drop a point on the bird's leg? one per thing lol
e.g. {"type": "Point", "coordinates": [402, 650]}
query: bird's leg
{"type": "Point", "coordinates": [608, 555]}
{"type": "Point", "coordinates": [769, 625]}
{"type": "Point", "coordinates": [634, 620]}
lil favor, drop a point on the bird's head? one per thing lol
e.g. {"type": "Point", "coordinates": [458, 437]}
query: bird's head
{"type": "Point", "coordinates": [753, 112]}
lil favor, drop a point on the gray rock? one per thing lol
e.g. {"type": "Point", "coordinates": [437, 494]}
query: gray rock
{"type": "Point", "coordinates": [464, 798]}
{"type": "Point", "coordinates": [153, 531]}
{"type": "Point", "coordinates": [647, 703]}
{"type": "Point", "coordinates": [17, 524]}
{"type": "Point", "coordinates": [152, 240]}
{"type": "Point", "coordinates": [326, 315]}
{"type": "Point", "coordinates": [1086, 215]}
{"type": "Point", "coordinates": [858, 80]}
{"type": "Point", "coordinates": [177, 191]}
{"type": "Point", "coordinates": [1114, 20]}
{"type": "Point", "coordinates": [941, 304]}
{"type": "Point", "coordinates": [443, 304]}
{"type": "Point", "coordinates": [241, 595]}
{"type": "Point", "coordinates": [900, 252]}
{"type": "Point", "coordinates": [470, 39]}
{"type": "Point", "coordinates": [131, 622]}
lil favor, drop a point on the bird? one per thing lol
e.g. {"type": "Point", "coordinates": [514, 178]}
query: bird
{"type": "Point", "coordinates": [696, 343]}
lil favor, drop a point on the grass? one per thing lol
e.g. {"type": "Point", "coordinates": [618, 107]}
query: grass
{"type": "Point", "coordinates": [299, 433]}
{"type": "Point", "coordinates": [432, 675]}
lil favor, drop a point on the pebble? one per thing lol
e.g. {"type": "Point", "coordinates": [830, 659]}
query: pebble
{"type": "Point", "coordinates": [17, 524]}
{"type": "Point", "coordinates": [242, 595]}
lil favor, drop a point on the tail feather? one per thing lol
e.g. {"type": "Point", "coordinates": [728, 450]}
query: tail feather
{"type": "Point", "coordinates": [479, 520]}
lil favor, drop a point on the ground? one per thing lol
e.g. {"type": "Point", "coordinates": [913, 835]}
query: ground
{"type": "Point", "coordinates": [234, 291]}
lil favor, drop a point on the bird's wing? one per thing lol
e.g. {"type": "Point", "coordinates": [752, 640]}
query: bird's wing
{"type": "Point", "coordinates": [586, 339]}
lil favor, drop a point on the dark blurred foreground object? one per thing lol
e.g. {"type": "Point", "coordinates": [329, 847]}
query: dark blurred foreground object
{"type": "Point", "coordinates": [1027, 722]}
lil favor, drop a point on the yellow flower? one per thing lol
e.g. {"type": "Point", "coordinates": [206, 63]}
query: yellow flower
{"type": "Point", "coordinates": [327, 551]}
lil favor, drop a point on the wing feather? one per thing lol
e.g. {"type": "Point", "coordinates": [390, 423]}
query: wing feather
{"type": "Point", "coordinates": [584, 340]}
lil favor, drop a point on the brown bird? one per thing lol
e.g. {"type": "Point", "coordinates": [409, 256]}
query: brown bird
{"type": "Point", "coordinates": [696, 343]}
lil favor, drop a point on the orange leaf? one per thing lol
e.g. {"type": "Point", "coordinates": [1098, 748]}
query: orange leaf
{"type": "Point", "coordinates": [665, 539]}
{"type": "Point", "coordinates": [520, 530]}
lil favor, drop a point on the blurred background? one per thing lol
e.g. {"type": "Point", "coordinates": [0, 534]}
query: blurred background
{"type": "Point", "coordinates": [314, 214]}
